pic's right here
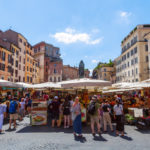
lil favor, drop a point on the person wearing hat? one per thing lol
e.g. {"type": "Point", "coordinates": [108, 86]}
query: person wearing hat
{"type": "Point", "coordinates": [93, 110]}
{"type": "Point", "coordinates": [2, 114]}
{"type": "Point", "coordinates": [55, 107]}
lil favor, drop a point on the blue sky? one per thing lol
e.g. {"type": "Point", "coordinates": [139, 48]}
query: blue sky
{"type": "Point", "coordinates": [88, 30]}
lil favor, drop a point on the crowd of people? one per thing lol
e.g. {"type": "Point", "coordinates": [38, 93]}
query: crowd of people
{"type": "Point", "coordinates": [68, 111]}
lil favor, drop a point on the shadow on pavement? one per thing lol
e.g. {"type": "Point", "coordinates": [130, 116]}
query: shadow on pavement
{"type": "Point", "coordinates": [99, 138]}
{"type": "Point", "coordinates": [80, 139]}
{"type": "Point", "coordinates": [126, 138]}
{"type": "Point", "coordinates": [146, 131]}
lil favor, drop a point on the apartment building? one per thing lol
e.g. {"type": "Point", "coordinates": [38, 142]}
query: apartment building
{"type": "Point", "coordinates": [15, 63]}
{"type": "Point", "coordinates": [22, 56]}
{"type": "Point", "coordinates": [133, 63]}
{"type": "Point", "coordinates": [5, 61]}
{"type": "Point", "coordinates": [106, 73]}
{"type": "Point", "coordinates": [50, 62]}
{"type": "Point", "coordinates": [70, 73]}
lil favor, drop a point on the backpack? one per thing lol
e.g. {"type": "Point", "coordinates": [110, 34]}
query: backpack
{"type": "Point", "coordinates": [13, 107]}
{"type": "Point", "coordinates": [91, 108]}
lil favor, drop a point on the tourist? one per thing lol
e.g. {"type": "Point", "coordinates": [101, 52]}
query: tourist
{"type": "Point", "coordinates": [94, 114]}
{"type": "Point", "coordinates": [76, 117]}
{"type": "Point", "coordinates": [29, 103]}
{"type": "Point", "coordinates": [2, 114]}
{"type": "Point", "coordinates": [106, 116]}
{"type": "Point", "coordinates": [118, 115]}
{"type": "Point", "coordinates": [66, 113]}
{"type": "Point", "coordinates": [22, 109]}
{"type": "Point", "coordinates": [13, 112]}
{"type": "Point", "coordinates": [55, 106]}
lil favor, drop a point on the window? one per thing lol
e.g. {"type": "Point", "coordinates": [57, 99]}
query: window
{"type": "Point", "coordinates": [54, 79]}
{"type": "Point", "coordinates": [20, 40]}
{"type": "Point", "coordinates": [23, 68]}
{"type": "Point", "coordinates": [27, 68]}
{"type": "Point", "coordinates": [131, 52]}
{"type": "Point", "coordinates": [17, 53]}
{"type": "Point", "coordinates": [46, 70]}
{"type": "Point", "coordinates": [129, 73]}
{"type": "Point", "coordinates": [27, 78]}
{"type": "Point", "coordinates": [20, 58]}
{"type": "Point", "coordinates": [136, 70]}
{"type": "Point", "coordinates": [3, 56]}
{"type": "Point", "coordinates": [147, 59]}
{"type": "Point", "coordinates": [137, 80]}
{"type": "Point", "coordinates": [135, 50]}
{"type": "Point", "coordinates": [30, 69]}
{"type": "Point", "coordinates": [55, 71]}
{"type": "Point", "coordinates": [9, 58]}
{"type": "Point", "coordinates": [128, 64]}
{"type": "Point", "coordinates": [31, 79]}
{"type": "Point", "coordinates": [24, 61]}
{"type": "Point", "coordinates": [146, 48]}
{"type": "Point", "coordinates": [24, 43]}
{"type": "Point", "coordinates": [28, 59]}
{"type": "Point", "coordinates": [19, 78]}
{"type": "Point", "coordinates": [128, 55]}
{"type": "Point", "coordinates": [136, 60]}
{"type": "Point", "coordinates": [16, 63]}
{"type": "Point", "coordinates": [55, 65]}
{"type": "Point", "coordinates": [132, 62]}
{"type": "Point", "coordinates": [46, 63]}
{"type": "Point", "coordinates": [132, 72]}
{"type": "Point", "coordinates": [16, 73]}
{"type": "Point", "coordinates": [105, 74]}
{"type": "Point", "coordinates": [104, 69]}
{"type": "Point", "coordinates": [50, 79]}
{"type": "Point", "coordinates": [23, 79]}
{"type": "Point", "coordinates": [19, 67]}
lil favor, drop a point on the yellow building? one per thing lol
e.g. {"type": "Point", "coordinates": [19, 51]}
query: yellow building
{"type": "Point", "coordinates": [5, 63]}
{"type": "Point", "coordinates": [15, 62]}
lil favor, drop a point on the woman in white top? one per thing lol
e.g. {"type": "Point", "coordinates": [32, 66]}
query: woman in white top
{"type": "Point", "coordinates": [118, 115]}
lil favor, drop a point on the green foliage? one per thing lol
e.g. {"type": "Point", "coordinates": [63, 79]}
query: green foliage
{"type": "Point", "coordinates": [101, 64]}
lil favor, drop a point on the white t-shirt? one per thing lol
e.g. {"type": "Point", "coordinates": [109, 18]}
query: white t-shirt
{"type": "Point", "coordinates": [22, 105]}
{"type": "Point", "coordinates": [118, 109]}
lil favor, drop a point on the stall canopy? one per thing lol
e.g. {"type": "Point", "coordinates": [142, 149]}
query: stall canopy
{"type": "Point", "coordinates": [84, 83]}
{"type": "Point", "coordinates": [25, 85]}
{"type": "Point", "coordinates": [4, 83]}
{"type": "Point", "coordinates": [47, 85]}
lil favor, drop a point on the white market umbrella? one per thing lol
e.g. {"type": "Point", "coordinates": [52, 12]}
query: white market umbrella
{"type": "Point", "coordinates": [25, 85]}
{"type": "Point", "coordinates": [84, 83]}
{"type": "Point", "coordinates": [5, 83]}
{"type": "Point", "coordinates": [47, 85]}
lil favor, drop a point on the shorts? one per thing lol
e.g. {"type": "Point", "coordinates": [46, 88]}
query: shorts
{"type": "Point", "coordinates": [21, 112]}
{"type": "Point", "coordinates": [94, 119]}
{"type": "Point", "coordinates": [55, 116]}
{"type": "Point", "coordinates": [13, 116]}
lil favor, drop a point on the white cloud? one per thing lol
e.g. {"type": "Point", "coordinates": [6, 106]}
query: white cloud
{"type": "Point", "coordinates": [95, 61]}
{"type": "Point", "coordinates": [72, 36]}
{"type": "Point", "coordinates": [86, 56]}
{"type": "Point", "coordinates": [125, 16]}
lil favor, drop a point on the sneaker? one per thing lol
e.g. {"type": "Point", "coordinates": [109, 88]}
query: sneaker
{"type": "Point", "coordinates": [93, 134]}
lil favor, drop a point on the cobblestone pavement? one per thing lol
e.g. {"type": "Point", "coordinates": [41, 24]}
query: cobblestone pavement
{"type": "Point", "coordinates": [28, 137]}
